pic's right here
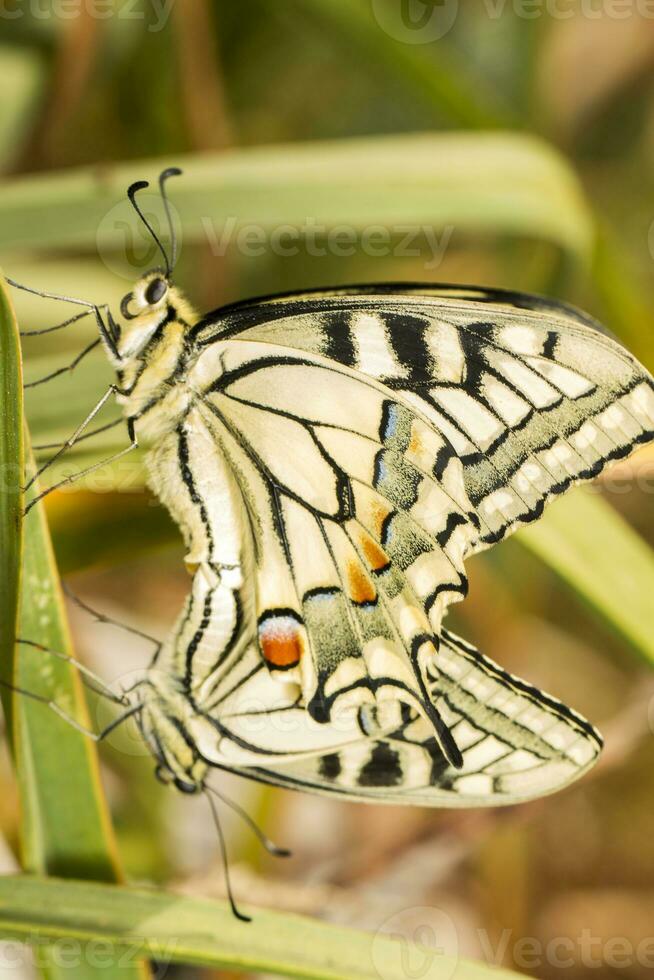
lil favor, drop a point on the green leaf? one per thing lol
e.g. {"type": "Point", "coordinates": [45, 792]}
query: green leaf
{"type": "Point", "coordinates": [171, 928]}
{"type": "Point", "coordinates": [596, 552]}
{"type": "Point", "coordinates": [11, 505]}
{"type": "Point", "coordinates": [499, 183]}
{"type": "Point", "coordinates": [65, 827]}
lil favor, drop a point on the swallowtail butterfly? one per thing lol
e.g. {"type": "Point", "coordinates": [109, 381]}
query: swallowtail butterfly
{"type": "Point", "coordinates": [332, 458]}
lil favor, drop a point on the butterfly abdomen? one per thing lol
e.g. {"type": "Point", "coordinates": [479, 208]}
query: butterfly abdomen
{"type": "Point", "coordinates": [191, 477]}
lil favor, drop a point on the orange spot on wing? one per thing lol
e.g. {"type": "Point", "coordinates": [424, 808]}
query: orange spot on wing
{"type": "Point", "coordinates": [373, 553]}
{"type": "Point", "coordinates": [360, 587]}
{"type": "Point", "coordinates": [379, 513]}
{"type": "Point", "coordinates": [415, 444]}
{"type": "Point", "coordinates": [280, 641]}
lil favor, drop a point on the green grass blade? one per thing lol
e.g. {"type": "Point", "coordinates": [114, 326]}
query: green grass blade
{"type": "Point", "coordinates": [595, 551]}
{"type": "Point", "coordinates": [177, 929]}
{"type": "Point", "coordinates": [66, 828]}
{"type": "Point", "coordinates": [11, 469]}
{"type": "Point", "coordinates": [65, 825]}
{"type": "Point", "coordinates": [499, 183]}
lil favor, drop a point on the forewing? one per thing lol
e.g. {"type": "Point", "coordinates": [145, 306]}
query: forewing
{"type": "Point", "coordinates": [531, 394]}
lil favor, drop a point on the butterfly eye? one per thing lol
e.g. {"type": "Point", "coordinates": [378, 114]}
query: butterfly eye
{"type": "Point", "coordinates": [185, 787]}
{"type": "Point", "coordinates": [155, 291]}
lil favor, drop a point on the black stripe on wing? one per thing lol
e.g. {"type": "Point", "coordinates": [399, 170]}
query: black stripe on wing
{"type": "Point", "coordinates": [234, 318]}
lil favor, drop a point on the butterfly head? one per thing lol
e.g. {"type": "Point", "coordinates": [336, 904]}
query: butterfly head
{"type": "Point", "coordinates": [154, 300]}
{"type": "Point", "coordinates": [152, 303]}
{"type": "Point", "coordinates": [166, 776]}
{"type": "Point", "coordinates": [176, 763]}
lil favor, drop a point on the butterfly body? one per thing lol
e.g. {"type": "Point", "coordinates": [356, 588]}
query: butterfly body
{"type": "Point", "coordinates": [332, 458]}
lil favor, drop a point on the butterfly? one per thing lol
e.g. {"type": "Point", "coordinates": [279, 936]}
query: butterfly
{"type": "Point", "coordinates": [332, 459]}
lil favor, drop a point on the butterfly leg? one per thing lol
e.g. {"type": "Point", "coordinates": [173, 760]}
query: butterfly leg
{"type": "Point", "coordinates": [75, 362]}
{"type": "Point", "coordinates": [74, 438]}
{"type": "Point", "coordinates": [103, 618]}
{"type": "Point", "coordinates": [108, 330]}
{"type": "Point", "coordinates": [67, 368]}
{"type": "Point", "coordinates": [57, 326]}
{"type": "Point", "coordinates": [89, 469]}
{"type": "Point", "coordinates": [41, 447]}
{"type": "Point", "coordinates": [90, 679]}
{"type": "Point", "coordinates": [73, 722]}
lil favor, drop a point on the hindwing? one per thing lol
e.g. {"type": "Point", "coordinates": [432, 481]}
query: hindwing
{"type": "Point", "coordinates": [516, 743]}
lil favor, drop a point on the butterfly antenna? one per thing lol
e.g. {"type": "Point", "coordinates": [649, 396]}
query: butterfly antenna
{"type": "Point", "coordinates": [163, 177]}
{"type": "Point", "coordinates": [132, 191]}
{"type": "Point", "coordinates": [223, 851]}
{"type": "Point", "coordinates": [265, 841]}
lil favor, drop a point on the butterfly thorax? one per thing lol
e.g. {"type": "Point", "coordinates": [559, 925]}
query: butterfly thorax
{"type": "Point", "coordinates": [161, 382]}
{"type": "Point", "coordinates": [151, 354]}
